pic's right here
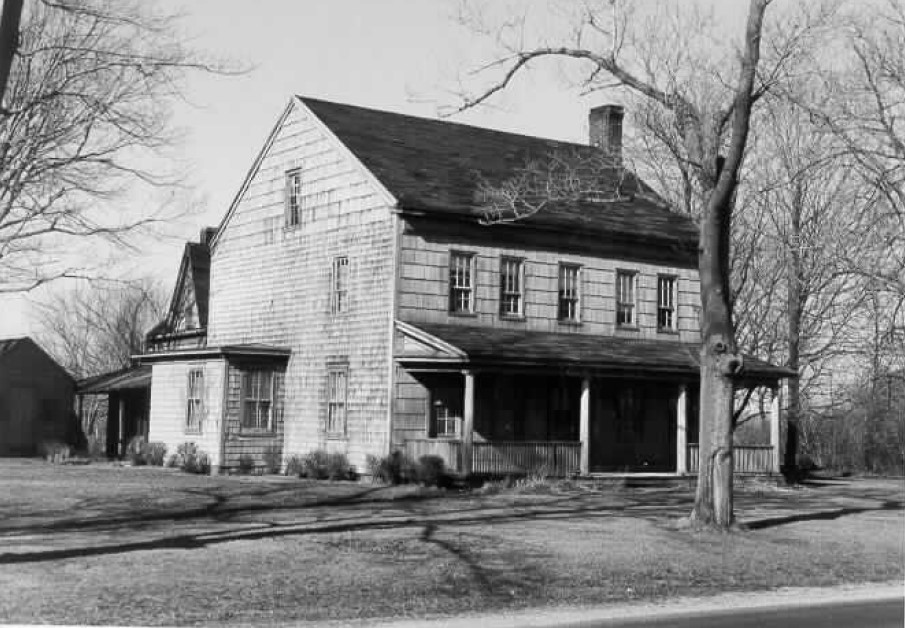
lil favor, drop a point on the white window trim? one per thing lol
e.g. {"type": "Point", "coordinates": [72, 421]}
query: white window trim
{"type": "Point", "coordinates": [673, 305]}
{"type": "Point", "coordinates": [194, 404]}
{"type": "Point", "coordinates": [339, 305]}
{"type": "Point", "coordinates": [520, 261]}
{"type": "Point", "coordinates": [472, 284]}
{"type": "Point", "coordinates": [293, 216]}
{"type": "Point", "coordinates": [330, 429]}
{"type": "Point", "coordinates": [578, 298]}
{"type": "Point", "coordinates": [633, 283]}
{"type": "Point", "coordinates": [269, 421]}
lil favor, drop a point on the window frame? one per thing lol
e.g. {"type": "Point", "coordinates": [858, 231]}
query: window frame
{"type": "Point", "coordinates": [672, 306]}
{"type": "Point", "coordinates": [454, 412]}
{"type": "Point", "coordinates": [339, 286]}
{"type": "Point", "coordinates": [194, 405]}
{"type": "Point", "coordinates": [269, 424]}
{"type": "Point", "coordinates": [293, 192]}
{"type": "Point", "coordinates": [575, 300]}
{"type": "Point", "coordinates": [334, 403]}
{"type": "Point", "coordinates": [519, 292]}
{"type": "Point", "coordinates": [471, 258]}
{"type": "Point", "coordinates": [632, 306]}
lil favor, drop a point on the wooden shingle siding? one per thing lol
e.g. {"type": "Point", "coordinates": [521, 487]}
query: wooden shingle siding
{"type": "Point", "coordinates": [410, 414]}
{"type": "Point", "coordinates": [271, 285]}
{"type": "Point", "coordinates": [424, 288]}
{"type": "Point", "coordinates": [169, 406]}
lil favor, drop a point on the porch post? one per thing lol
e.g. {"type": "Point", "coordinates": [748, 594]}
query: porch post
{"type": "Point", "coordinates": [584, 425]}
{"type": "Point", "coordinates": [468, 423]}
{"type": "Point", "coordinates": [121, 423]}
{"type": "Point", "coordinates": [775, 417]}
{"type": "Point", "coordinates": [682, 431]}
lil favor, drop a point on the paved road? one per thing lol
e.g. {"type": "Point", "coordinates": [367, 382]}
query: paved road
{"type": "Point", "coordinates": [889, 613]}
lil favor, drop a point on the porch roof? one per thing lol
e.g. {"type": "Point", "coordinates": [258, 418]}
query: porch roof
{"type": "Point", "coordinates": [123, 379]}
{"type": "Point", "coordinates": [253, 350]}
{"type": "Point", "coordinates": [490, 346]}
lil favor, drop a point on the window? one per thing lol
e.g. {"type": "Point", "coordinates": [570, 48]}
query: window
{"type": "Point", "coordinates": [339, 292]}
{"type": "Point", "coordinates": [294, 198]}
{"type": "Point", "coordinates": [337, 389]}
{"type": "Point", "coordinates": [625, 299]}
{"type": "Point", "coordinates": [666, 303]}
{"type": "Point", "coordinates": [512, 279]}
{"type": "Point", "coordinates": [257, 400]}
{"type": "Point", "coordinates": [446, 412]}
{"type": "Point", "coordinates": [461, 282]}
{"type": "Point", "coordinates": [569, 305]}
{"type": "Point", "coordinates": [194, 400]}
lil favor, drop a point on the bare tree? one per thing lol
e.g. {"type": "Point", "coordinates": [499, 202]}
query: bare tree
{"type": "Point", "coordinates": [706, 111]}
{"type": "Point", "coordinates": [95, 327]}
{"type": "Point", "coordinates": [84, 119]}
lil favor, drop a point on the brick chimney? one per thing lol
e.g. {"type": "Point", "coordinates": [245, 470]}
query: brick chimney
{"type": "Point", "coordinates": [207, 233]}
{"type": "Point", "coordinates": [605, 124]}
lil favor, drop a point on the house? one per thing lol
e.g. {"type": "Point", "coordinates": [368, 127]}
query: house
{"type": "Point", "coordinates": [352, 299]}
{"type": "Point", "coordinates": [36, 399]}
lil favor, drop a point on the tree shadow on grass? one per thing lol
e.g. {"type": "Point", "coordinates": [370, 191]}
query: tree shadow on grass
{"type": "Point", "coordinates": [826, 515]}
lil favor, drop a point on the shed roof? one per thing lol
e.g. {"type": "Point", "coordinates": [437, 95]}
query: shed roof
{"type": "Point", "coordinates": [435, 166]}
{"type": "Point", "coordinates": [515, 347]}
{"type": "Point", "coordinates": [123, 379]}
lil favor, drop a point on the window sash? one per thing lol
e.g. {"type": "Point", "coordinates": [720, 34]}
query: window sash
{"type": "Point", "coordinates": [666, 302]}
{"type": "Point", "coordinates": [511, 286]}
{"type": "Point", "coordinates": [337, 391]}
{"type": "Point", "coordinates": [293, 198]}
{"type": "Point", "coordinates": [625, 298]}
{"type": "Point", "coordinates": [569, 293]}
{"type": "Point", "coordinates": [340, 291]}
{"type": "Point", "coordinates": [461, 282]}
{"type": "Point", "coordinates": [257, 399]}
{"type": "Point", "coordinates": [194, 400]}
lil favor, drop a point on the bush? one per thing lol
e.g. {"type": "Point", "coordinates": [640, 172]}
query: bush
{"type": "Point", "coordinates": [431, 471]}
{"type": "Point", "coordinates": [397, 468]}
{"type": "Point", "coordinates": [246, 464]}
{"type": "Point", "coordinates": [295, 465]}
{"type": "Point", "coordinates": [321, 465]}
{"type": "Point", "coordinates": [155, 454]}
{"type": "Point", "coordinates": [134, 451]}
{"type": "Point", "coordinates": [273, 457]}
{"type": "Point", "coordinates": [190, 459]}
{"type": "Point", "coordinates": [55, 451]}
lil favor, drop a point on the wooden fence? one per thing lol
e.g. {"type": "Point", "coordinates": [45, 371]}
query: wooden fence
{"type": "Point", "coordinates": [748, 458]}
{"type": "Point", "coordinates": [449, 450]}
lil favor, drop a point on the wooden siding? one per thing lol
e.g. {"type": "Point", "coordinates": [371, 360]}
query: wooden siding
{"type": "Point", "coordinates": [424, 287]}
{"type": "Point", "coordinates": [169, 391]}
{"type": "Point", "coordinates": [36, 400]}
{"type": "Point", "coordinates": [449, 450]}
{"type": "Point", "coordinates": [271, 285]}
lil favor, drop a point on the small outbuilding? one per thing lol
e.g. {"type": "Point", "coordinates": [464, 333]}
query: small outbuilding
{"type": "Point", "coordinates": [36, 399]}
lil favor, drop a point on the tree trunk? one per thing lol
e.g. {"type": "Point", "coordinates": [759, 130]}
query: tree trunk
{"type": "Point", "coordinates": [9, 42]}
{"type": "Point", "coordinates": [796, 306]}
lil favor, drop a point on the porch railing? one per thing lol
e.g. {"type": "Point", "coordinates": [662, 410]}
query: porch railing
{"type": "Point", "coordinates": [552, 458]}
{"type": "Point", "coordinates": [748, 458]}
{"type": "Point", "coordinates": [449, 450]}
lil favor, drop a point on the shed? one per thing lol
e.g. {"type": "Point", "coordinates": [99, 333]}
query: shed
{"type": "Point", "coordinates": [36, 399]}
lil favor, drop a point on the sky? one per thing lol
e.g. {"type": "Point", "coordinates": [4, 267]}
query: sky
{"type": "Point", "coordinates": [397, 55]}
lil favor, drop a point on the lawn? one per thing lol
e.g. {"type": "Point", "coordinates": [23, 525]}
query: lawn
{"type": "Point", "coordinates": [106, 544]}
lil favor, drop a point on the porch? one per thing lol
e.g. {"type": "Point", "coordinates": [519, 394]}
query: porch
{"type": "Point", "coordinates": [496, 416]}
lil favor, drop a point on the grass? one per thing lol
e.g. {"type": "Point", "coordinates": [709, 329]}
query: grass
{"type": "Point", "coordinates": [102, 544]}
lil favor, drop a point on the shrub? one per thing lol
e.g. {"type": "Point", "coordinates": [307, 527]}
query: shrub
{"type": "Point", "coordinates": [134, 451]}
{"type": "Point", "coordinates": [55, 451]}
{"type": "Point", "coordinates": [246, 464]}
{"type": "Point", "coordinates": [295, 465]}
{"type": "Point", "coordinates": [191, 460]}
{"type": "Point", "coordinates": [397, 468]}
{"type": "Point", "coordinates": [273, 457]}
{"type": "Point", "coordinates": [155, 454]}
{"type": "Point", "coordinates": [431, 471]}
{"type": "Point", "coordinates": [321, 465]}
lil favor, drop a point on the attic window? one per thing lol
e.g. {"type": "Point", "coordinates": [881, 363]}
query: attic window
{"type": "Point", "coordinates": [185, 313]}
{"type": "Point", "coordinates": [293, 197]}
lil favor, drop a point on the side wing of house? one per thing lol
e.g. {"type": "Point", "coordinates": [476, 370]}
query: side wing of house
{"type": "Point", "coordinates": [304, 260]}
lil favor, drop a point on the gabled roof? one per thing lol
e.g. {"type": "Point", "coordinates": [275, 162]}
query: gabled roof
{"type": "Point", "coordinates": [490, 346]}
{"type": "Point", "coordinates": [195, 267]}
{"type": "Point", "coordinates": [435, 166]}
{"type": "Point", "coordinates": [8, 345]}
